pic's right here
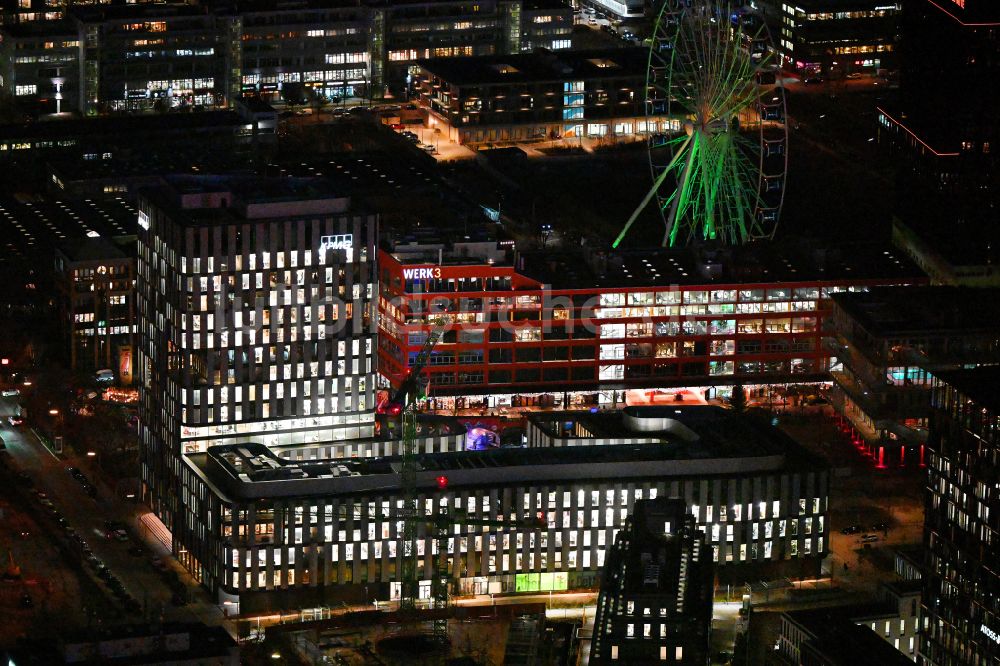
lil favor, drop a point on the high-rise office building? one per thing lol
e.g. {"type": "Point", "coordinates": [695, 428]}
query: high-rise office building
{"type": "Point", "coordinates": [946, 131]}
{"type": "Point", "coordinates": [961, 603]}
{"type": "Point", "coordinates": [655, 603]}
{"type": "Point", "coordinates": [256, 322]}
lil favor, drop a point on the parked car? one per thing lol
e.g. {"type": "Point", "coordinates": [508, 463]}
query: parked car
{"type": "Point", "coordinates": [15, 421]}
{"type": "Point", "coordinates": [851, 529]}
{"type": "Point", "coordinates": [854, 76]}
{"type": "Point", "coordinates": [7, 393]}
{"type": "Point", "coordinates": [112, 526]}
{"type": "Point", "coordinates": [813, 80]}
{"type": "Point", "coordinates": [869, 538]}
{"type": "Point", "coordinates": [881, 527]}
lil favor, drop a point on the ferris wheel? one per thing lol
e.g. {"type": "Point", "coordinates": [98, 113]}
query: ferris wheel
{"type": "Point", "coordinates": [719, 172]}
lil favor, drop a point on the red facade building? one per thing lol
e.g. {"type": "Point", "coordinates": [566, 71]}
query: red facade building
{"type": "Point", "coordinates": [562, 328]}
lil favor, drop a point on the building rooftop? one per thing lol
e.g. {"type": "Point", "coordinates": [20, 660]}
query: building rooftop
{"type": "Point", "coordinates": [129, 645]}
{"type": "Point", "coordinates": [27, 227]}
{"type": "Point", "coordinates": [659, 563]}
{"type": "Point", "coordinates": [92, 249]}
{"type": "Point", "coordinates": [903, 588]}
{"type": "Point", "coordinates": [541, 65]}
{"type": "Point", "coordinates": [979, 384]}
{"type": "Point", "coordinates": [837, 637]}
{"type": "Point", "coordinates": [535, 5]}
{"type": "Point", "coordinates": [759, 263]}
{"type": "Point", "coordinates": [104, 127]}
{"type": "Point", "coordinates": [178, 160]}
{"type": "Point", "coordinates": [635, 442]}
{"type": "Point", "coordinates": [196, 200]}
{"type": "Point", "coordinates": [923, 310]}
{"type": "Point", "coordinates": [961, 243]}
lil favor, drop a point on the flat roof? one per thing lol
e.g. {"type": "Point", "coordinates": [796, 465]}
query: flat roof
{"type": "Point", "coordinates": [177, 159]}
{"type": "Point", "coordinates": [755, 263]}
{"type": "Point", "coordinates": [246, 191]}
{"type": "Point", "coordinates": [889, 311]}
{"type": "Point", "coordinates": [837, 637]}
{"type": "Point", "coordinates": [960, 242]}
{"type": "Point", "coordinates": [725, 444]}
{"type": "Point", "coordinates": [535, 5]}
{"type": "Point", "coordinates": [92, 249]}
{"type": "Point", "coordinates": [691, 431]}
{"type": "Point", "coordinates": [105, 127]}
{"type": "Point", "coordinates": [665, 564]}
{"type": "Point", "coordinates": [541, 65]}
{"type": "Point", "coordinates": [979, 384]}
{"type": "Point", "coordinates": [29, 226]}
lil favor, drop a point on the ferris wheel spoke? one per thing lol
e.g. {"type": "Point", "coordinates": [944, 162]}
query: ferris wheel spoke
{"type": "Point", "coordinates": [705, 68]}
{"type": "Point", "coordinates": [682, 201]}
{"type": "Point", "coordinates": [655, 189]}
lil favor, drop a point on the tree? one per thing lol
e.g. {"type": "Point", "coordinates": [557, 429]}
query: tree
{"type": "Point", "coordinates": [738, 398]}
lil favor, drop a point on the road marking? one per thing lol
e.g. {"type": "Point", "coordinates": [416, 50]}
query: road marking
{"type": "Point", "coordinates": [47, 449]}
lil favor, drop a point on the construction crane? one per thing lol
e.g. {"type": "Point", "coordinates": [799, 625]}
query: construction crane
{"type": "Point", "coordinates": [441, 523]}
{"type": "Point", "coordinates": [403, 403]}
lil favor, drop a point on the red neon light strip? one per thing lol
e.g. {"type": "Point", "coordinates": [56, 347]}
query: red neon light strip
{"type": "Point", "coordinates": [910, 132]}
{"type": "Point", "coordinates": [958, 20]}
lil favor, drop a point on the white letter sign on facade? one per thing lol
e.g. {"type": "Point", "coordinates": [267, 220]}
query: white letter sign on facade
{"type": "Point", "coordinates": [421, 273]}
{"type": "Point", "coordinates": [341, 242]}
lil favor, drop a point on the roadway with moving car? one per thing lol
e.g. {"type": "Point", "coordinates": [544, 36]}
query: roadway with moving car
{"type": "Point", "coordinates": [104, 532]}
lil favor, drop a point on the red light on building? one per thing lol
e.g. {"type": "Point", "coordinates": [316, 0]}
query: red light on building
{"type": "Point", "coordinates": [442, 482]}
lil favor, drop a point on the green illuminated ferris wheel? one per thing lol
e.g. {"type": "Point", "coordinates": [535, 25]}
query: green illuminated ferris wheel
{"type": "Point", "coordinates": [720, 173]}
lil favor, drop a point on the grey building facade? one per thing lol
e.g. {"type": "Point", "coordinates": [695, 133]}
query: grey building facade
{"type": "Point", "coordinates": [255, 321]}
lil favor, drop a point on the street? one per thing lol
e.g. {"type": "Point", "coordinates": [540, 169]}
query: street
{"type": "Point", "coordinates": [87, 516]}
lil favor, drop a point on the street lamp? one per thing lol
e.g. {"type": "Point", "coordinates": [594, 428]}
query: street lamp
{"type": "Point", "coordinates": [54, 412]}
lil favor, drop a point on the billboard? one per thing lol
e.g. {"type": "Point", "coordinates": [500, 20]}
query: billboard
{"type": "Point", "coordinates": [125, 365]}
